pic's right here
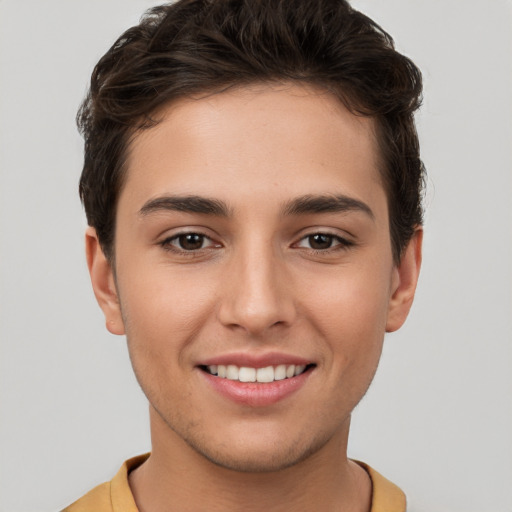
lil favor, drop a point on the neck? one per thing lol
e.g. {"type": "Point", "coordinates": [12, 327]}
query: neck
{"type": "Point", "coordinates": [177, 478]}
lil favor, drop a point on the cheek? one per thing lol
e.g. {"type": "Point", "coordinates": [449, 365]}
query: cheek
{"type": "Point", "coordinates": [353, 297]}
{"type": "Point", "coordinates": [349, 315]}
{"type": "Point", "coordinates": [163, 310]}
{"type": "Point", "coordinates": [161, 316]}
{"type": "Point", "coordinates": [349, 309]}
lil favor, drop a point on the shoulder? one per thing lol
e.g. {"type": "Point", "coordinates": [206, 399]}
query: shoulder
{"type": "Point", "coordinates": [386, 496]}
{"type": "Point", "coordinates": [113, 496]}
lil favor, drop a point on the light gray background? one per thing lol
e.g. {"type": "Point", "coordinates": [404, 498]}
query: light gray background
{"type": "Point", "coordinates": [438, 417]}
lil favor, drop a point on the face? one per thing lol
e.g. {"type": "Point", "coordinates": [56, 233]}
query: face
{"type": "Point", "coordinates": [254, 273]}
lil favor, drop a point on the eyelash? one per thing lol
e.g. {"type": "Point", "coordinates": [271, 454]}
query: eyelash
{"type": "Point", "coordinates": [341, 243]}
{"type": "Point", "coordinates": [168, 246]}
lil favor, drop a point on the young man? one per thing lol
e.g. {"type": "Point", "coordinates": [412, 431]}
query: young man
{"type": "Point", "coordinates": [252, 184]}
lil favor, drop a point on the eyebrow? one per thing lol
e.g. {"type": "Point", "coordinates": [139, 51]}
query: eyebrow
{"type": "Point", "coordinates": [303, 205]}
{"type": "Point", "coordinates": [326, 204]}
{"type": "Point", "coordinates": [189, 204]}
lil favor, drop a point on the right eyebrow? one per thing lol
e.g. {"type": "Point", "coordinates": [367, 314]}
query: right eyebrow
{"type": "Point", "coordinates": [189, 204]}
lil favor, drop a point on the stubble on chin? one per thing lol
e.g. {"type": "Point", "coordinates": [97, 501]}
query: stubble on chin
{"type": "Point", "coordinates": [234, 456]}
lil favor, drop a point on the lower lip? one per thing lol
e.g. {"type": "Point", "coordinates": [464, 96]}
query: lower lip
{"type": "Point", "coordinates": [256, 394]}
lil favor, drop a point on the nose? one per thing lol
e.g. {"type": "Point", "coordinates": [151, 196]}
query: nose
{"type": "Point", "coordinates": [257, 295]}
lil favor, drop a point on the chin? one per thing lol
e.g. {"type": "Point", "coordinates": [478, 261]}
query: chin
{"type": "Point", "coordinates": [267, 457]}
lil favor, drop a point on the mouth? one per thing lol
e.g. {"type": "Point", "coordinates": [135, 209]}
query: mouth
{"type": "Point", "coordinates": [257, 381]}
{"type": "Point", "coordinates": [264, 375]}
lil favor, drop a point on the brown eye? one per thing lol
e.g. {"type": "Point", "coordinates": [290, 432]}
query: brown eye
{"type": "Point", "coordinates": [190, 241]}
{"type": "Point", "coordinates": [320, 241]}
{"type": "Point", "coordinates": [324, 242]}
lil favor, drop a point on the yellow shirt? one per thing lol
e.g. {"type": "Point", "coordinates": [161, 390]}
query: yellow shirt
{"type": "Point", "coordinates": [116, 496]}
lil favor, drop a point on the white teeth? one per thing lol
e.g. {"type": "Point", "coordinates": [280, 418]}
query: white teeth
{"type": "Point", "coordinates": [247, 374]}
{"type": "Point", "coordinates": [265, 374]}
{"type": "Point", "coordinates": [280, 372]}
{"type": "Point", "coordinates": [299, 369]}
{"type": "Point", "coordinates": [232, 372]}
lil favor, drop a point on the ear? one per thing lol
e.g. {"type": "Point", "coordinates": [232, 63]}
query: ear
{"type": "Point", "coordinates": [404, 282]}
{"type": "Point", "coordinates": [103, 283]}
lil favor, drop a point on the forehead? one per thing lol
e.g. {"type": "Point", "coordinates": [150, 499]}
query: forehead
{"type": "Point", "coordinates": [255, 140]}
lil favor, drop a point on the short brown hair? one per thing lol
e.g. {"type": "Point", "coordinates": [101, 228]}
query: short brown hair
{"type": "Point", "coordinates": [200, 46]}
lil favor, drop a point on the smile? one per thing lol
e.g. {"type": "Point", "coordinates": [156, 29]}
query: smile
{"type": "Point", "coordinates": [261, 375]}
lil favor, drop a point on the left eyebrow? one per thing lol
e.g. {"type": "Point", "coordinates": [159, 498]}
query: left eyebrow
{"type": "Point", "coordinates": [326, 204]}
{"type": "Point", "coordinates": [188, 204]}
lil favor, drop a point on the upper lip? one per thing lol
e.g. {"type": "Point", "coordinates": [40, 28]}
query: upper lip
{"type": "Point", "coordinates": [255, 360]}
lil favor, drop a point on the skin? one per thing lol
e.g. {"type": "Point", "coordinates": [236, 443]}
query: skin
{"type": "Point", "coordinates": [258, 283]}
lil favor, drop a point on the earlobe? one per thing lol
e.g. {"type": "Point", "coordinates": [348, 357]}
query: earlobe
{"type": "Point", "coordinates": [103, 283]}
{"type": "Point", "coordinates": [405, 281]}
